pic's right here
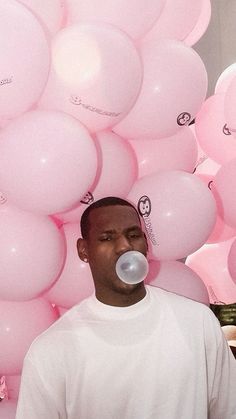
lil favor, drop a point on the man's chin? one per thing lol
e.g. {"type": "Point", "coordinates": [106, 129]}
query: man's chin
{"type": "Point", "coordinates": [124, 288]}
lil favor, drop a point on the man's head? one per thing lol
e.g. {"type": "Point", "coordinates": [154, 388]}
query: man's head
{"type": "Point", "coordinates": [109, 228]}
{"type": "Point", "coordinates": [101, 203]}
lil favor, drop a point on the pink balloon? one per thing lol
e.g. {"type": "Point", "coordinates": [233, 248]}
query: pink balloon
{"type": "Point", "coordinates": [201, 25]}
{"type": "Point", "coordinates": [168, 99]}
{"type": "Point", "coordinates": [223, 188]}
{"type": "Point", "coordinates": [221, 230]}
{"type": "Point", "coordinates": [178, 212]}
{"type": "Point", "coordinates": [117, 172]}
{"type": "Point", "coordinates": [201, 157]}
{"type": "Point", "coordinates": [47, 161]}
{"type": "Point", "coordinates": [50, 13]}
{"type": "Point", "coordinates": [177, 20]}
{"type": "Point", "coordinates": [232, 260]}
{"type": "Point", "coordinates": [177, 277]}
{"type": "Point", "coordinates": [4, 122]}
{"type": "Point", "coordinates": [178, 152]}
{"type": "Point", "coordinates": [20, 324]}
{"type": "Point", "coordinates": [74, 215]}
{"type": "Point", "coordinates": [62, 310]}
{"type": "Point", "coordinates": [225, 79]}
{"type": "Point", "coordinates": [75, 282]}
{"type": "Point", "coordinates": [230, 105]}
{"type": "Point", "coordinates": [212, 131]}
{"type": "Point", "coordinates": [96, 74]}
{"type": "Point", "coordinates": [135, 17]}
{"type": "Point", "coordinates": [210, 263]}
{"type": "Point", "coordinates": [58, 222]}
{"type": "Point", "coordinates": [118, 166]}
{"type": "Point", "coordinates": [8, 409]}
{"type": "Point", "coordinates": [13, 386]}
{"type": "Point", "coordinates": [25, 59]}
{"type": "Point", "coordinates": [206, 167]}
{"type": "Point", "coordinates": [32, 253]}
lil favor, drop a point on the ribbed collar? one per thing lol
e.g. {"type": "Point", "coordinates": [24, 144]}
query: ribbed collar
{"type": "Point", "coordinates": [113, 312]}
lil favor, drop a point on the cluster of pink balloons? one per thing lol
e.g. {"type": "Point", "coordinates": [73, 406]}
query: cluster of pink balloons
{"type": "Point", "coordinates": [100, 106]}
{"type": "Point", "coordinates": [215, 134]}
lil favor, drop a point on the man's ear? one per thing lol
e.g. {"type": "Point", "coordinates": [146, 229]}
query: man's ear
{"type": "Point", "coordinates": [82, 250]}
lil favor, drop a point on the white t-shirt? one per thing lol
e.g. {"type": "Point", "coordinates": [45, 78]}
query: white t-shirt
{"type": "Point", "coordinates": [162, 358]}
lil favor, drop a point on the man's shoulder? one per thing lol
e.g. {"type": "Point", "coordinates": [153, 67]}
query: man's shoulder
{"type": "Point", "coordinates": [60, 332]}
{"type": "Point", "coordinates": [188, 314]}
{"type": "Point", "coordinates": [181, 304]}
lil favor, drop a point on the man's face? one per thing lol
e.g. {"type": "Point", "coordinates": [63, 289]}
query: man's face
{"type": "Point", "coordinates": [113, 231]}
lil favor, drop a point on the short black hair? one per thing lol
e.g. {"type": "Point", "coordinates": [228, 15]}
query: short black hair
{"type": "Point", "coordinates": [103, 202]}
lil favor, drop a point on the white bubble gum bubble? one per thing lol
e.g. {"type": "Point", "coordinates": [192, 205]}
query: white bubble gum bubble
{"type": "Point", "coordinates": [132, 267]}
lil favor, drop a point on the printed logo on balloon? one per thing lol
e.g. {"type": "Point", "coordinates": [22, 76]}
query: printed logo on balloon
{"type": "Point", "coordinates": [3, 199]}
{"type": "Point", "coordinates": [6, 81]}
{"type": "Point", "coordinates": [75, 100]}
{"type": "Point", "coordinates": [226, 130]}
{"type": "Point", "coordinates": [183, 118]}
{"type": "Point", "coordinates": [87, 199]}
{"type": "Point", "coordinates": [144, 209]}
{"type": "Point", "coordinates": [210, 184]}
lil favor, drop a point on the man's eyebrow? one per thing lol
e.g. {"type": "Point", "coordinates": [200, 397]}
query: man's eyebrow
{"type": "Point", "coordinates": [133, 228]}
{"type": "Point", "coordinates": [127, 230]}
{"type": "Point", "coordinates": [110, 231]}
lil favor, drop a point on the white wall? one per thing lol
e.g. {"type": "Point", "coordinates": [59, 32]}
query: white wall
{"type": "Point", "coordinates": [217, 47]}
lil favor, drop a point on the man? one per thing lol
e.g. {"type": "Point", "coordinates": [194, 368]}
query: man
{"type": "Point", "coordinates": [129, 351]}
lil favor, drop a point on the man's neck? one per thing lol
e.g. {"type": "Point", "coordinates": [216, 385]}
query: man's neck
{"type": "Point", "coordinates": [121, 299]}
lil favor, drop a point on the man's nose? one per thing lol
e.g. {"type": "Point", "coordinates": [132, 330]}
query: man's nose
{"type": "Point", "coordinates": [122, 244]}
